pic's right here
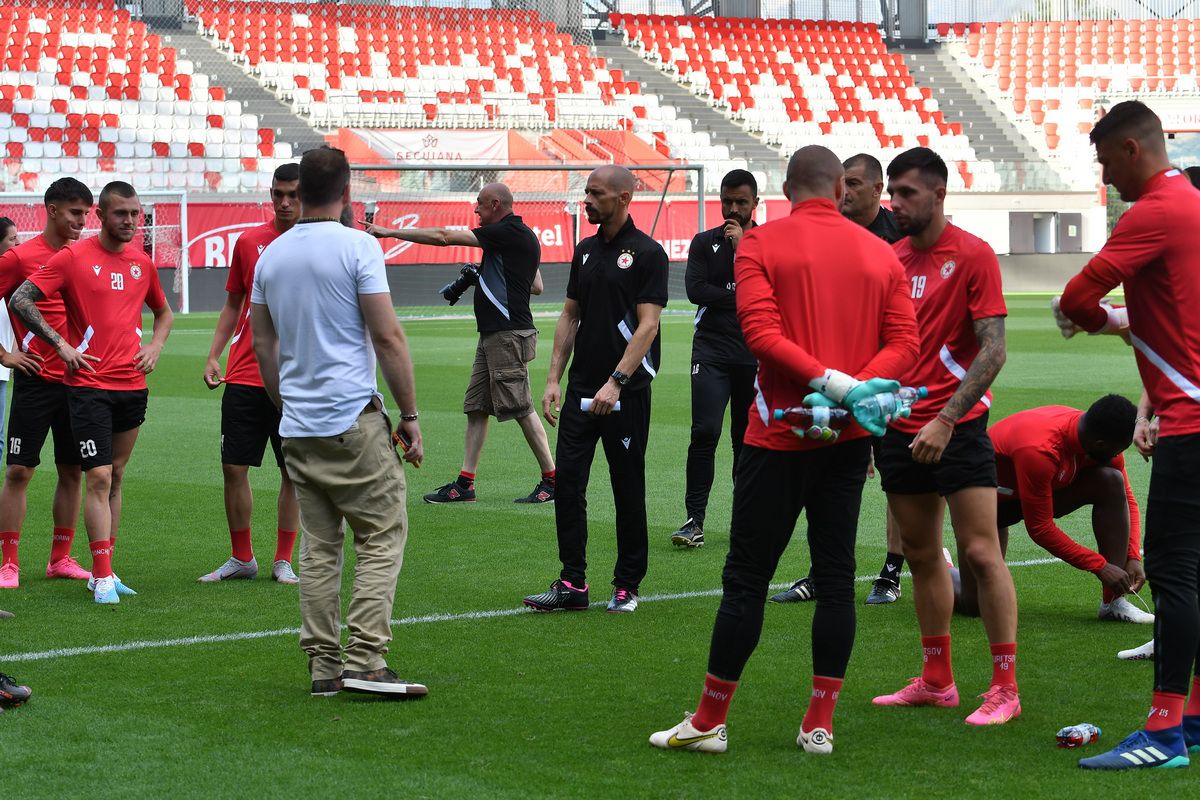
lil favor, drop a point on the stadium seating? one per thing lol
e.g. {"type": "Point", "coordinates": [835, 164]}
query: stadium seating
{"type": "Point", "coordinates": [794, 82]}
{"type": "Point", "coordinates": [1049, 77]}
{"type": "Point", "coordinates": [87, 91]}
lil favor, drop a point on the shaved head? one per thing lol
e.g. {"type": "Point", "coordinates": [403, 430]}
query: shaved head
{"type": "Point", "coordinates": [616, 178]}
{"type": "Point", "coordinates": [498, 192]}
{"type": "Point", "coordinates": [814, 171]}
{"type": "Point", "coordinates": [1131, 120]}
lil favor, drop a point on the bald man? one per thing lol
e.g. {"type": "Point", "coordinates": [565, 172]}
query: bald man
{"type": "Point", "coordinates": [499, 383]}
{"type": "Point", "coordinates": [795, 278]}
{"type": "Point", "coordinates": [615, 296]}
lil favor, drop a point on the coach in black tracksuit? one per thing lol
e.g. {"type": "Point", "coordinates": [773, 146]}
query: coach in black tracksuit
{"type": "Point", "coordinates": [723, 370]}
{"type": "Point", "coordinates": [615, 296]}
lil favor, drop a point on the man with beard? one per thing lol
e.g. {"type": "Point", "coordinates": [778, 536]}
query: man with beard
{"type": "Point", "coordinates": [615, 297]}
{"type": "Point", "coordinates": [942, 455]}
{"type": "Point", "coordinates": [723, 369]}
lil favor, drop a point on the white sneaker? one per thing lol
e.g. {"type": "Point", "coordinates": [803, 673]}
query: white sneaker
{"type": "Point", "coordinates": [282, 572]}
{"type": "Point", "coordinates": [818, 740]}
{"type": "Point", "coordinates": [1143, 653]}
{"type": "Point", "coordinates": [685, 736]}
{"type": "Point", "coordinates": [622, 601]}
{"type": "Point", "coordinates": [1121, 610]}
{"type": "Point", "coordinates": [233, 569]}
{"type": "Point", "coordinates": [105, 590]}
{"type": "Point", "coordinates": [121, 588]}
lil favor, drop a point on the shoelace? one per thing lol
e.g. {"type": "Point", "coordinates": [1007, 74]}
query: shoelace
{"type": "Point", "coordinates": [622, 596]}
{"type": "Point", "coordinates": [1145, 606]}
{"type": "Point", "coordinates": [994, 698]}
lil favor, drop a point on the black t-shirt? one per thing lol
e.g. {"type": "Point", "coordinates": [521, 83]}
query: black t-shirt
{"type": "Point", "coordinates": [511, 254]}
{"type": "Point", "coordinates": [884, 226]}
{"type": "Point", "coordinates": [710, 285]}
{"type": "Point", "coordinates": [609, 280]}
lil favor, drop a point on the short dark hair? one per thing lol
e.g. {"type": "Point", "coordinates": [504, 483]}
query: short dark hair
{"type": "Point", "coordinates": [324, 175]}
{"type": "Point", "coordinates": [925, 161]}
{"type": "Point", "coordinates": [64, 190]}
{"type": "Point", "coordinates": [1130, 119]}
{"type": "Point", "coordinates": [1193, 174]}
{"type": "Point", "coordinates": [1112, 418]}
{"type": "Point", "coordinates": [740, 177]}
{"type": "Point", "coordinates": [872, 169]}
{"type": "Point", "coordinates": [119, 188]}
{"type": "Point", "coordinates": [5, 224]}
{"type": "Point", "coordinates": [286, 173]}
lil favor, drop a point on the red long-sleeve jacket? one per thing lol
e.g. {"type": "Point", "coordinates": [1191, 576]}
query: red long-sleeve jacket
{"type": "Point", "coordinates": [815, 291]}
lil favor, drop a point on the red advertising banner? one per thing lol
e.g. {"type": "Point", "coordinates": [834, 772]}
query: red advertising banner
{"type": "Point", "coordinates": [213, 228]}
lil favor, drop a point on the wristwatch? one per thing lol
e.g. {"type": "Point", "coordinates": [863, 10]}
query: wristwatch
{"type": "Point", "coordinates": [620, 377]}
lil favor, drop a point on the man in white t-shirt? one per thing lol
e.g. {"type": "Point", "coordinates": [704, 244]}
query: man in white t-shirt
{"type": "Point", "coordinates": [321, 314]}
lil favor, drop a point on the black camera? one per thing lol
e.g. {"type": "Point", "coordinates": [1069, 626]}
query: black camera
{"type": "Point", "coordinates": [468, 276]}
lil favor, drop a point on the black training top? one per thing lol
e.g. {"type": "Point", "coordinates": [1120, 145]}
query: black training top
{"type": "Point", "coordinates": [511, 254]}
{"type": "Point", "coordinates": [710, 285]}
{"type": "Point", "coordinates": [884, 226]}
{"type": "Point", "coordinates": [609, 280]}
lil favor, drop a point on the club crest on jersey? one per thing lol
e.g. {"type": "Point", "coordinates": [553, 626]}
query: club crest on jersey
{"type": "Point", "coordinates": [135, 271]}
{"type": "Point", "coordinates": [948, 269]}
{"type": "Point", "coordinates": [625, 260]}
{"type": "Point", "coordinates": [96, 268]}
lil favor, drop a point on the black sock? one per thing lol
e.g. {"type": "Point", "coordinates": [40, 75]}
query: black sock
{"type": "Point", "coordinates": [465, 482]}
{"type": "Point", "coordinates": [891, 567]}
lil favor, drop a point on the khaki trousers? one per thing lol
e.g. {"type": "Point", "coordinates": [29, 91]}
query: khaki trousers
{"type": "Point", "coordinates": [356, 476]}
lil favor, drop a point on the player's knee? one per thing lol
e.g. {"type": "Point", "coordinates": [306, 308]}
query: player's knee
{"type": "Point", "coordinates": [235, 473]}
{"type": "Point", "coordinates": [983, 557]}
{"type": "Point", "coordinates": [1111, 482]}
{"type": "Point", "coordinates": [18, 475]}
{"type": "Point", "coordinates": [705, 434]}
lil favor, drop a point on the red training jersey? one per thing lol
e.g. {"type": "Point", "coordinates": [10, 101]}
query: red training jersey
{"type": "Point", "coordinates": [242, 366]}
{"type": "Point", "coordinates": [1155, 251]}
{"type": "Point", "coordinates": [816, 291]}
{"type": "Point", "coordinates": [1037, 453]}
{"type": "Point", "coordinates": [104, 293]}
{"type": "Point", "coordinates": [952, 284]}
{"type": "Point", "coordinates": [18, 264]}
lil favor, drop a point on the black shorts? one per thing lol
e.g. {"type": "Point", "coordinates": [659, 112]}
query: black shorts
{"type": "Point", "coordinates": [969, 460]}
{"type": "Point", "coordinates": [38, 407]}
{"type": "Point", "coordinates": [248, 420]}
{"type": "Point", "coordinates": [97, 414]}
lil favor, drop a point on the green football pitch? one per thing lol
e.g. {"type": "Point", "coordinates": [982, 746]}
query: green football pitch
{"type": "Point", "coordinates": [191, 690]}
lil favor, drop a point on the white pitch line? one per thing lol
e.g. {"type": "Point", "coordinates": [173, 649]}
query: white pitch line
{"type": "Point", "coordinates": [218, 638]}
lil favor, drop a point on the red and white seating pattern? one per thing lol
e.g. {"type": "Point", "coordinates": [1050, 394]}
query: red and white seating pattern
{"type": "Point", "coordinates": [368, 65]}
{"type": "Point", "coordinates": [798, 82]}
{"type": "Point", "coordinates": [1048, 76]}
{"type": "Point", "coordinates": [86, 91]}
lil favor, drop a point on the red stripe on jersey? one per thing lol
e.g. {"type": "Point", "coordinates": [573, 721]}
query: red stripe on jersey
{"type": "Point", "coordinates": [1155, 251]}
{"type": "Point", "coordinates": [18, 264]}
{"type": "Point", "coordinates": [952, 284]}
{"type": "Point", "coordinates": [1037, 453]}
{"type": "Point", "coordinates": [817, 291]}
{"type": "Point", "coordinates": [242, 366]}
{"type": "Point", "coordinates": [104, 293]}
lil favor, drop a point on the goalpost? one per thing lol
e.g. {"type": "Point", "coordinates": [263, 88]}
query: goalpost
{"type": "Point", "coordinates": [668, 205]}
{"type": "Point", "coordinates": [161, 232]}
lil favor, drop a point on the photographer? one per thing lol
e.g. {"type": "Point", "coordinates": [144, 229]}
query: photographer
{"type": "Point", "coordinates": [507, 275]}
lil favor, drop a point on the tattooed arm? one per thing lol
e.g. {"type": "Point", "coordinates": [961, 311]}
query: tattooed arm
{"type": "Point", "coordinates": [927, 447]}
{"type": "Point", "coordinates": [24, 305]}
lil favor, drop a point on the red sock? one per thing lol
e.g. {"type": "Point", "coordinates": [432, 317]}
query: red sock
{"type": "Point", "coordinates": [242, 549]}
{"type": "Point", "coordinates": [1193, 705]}
{"type": "Point", "coordinates": [820, 706]}
{"type": "Point", "coordinates": [1107, 595]}
{"type": "Point", "coordinates": [284, 542]}
{"type": "Point", "coordinates": [8, 547]}
{"type": "Point", "coordinates": [937, 671]}
{"type": "Point", "coordinates": [1004, 665]}
{"type": "Point", "coordinates": [714, 703]}
{"type": "Point", "coordinates": [1166, 711]}
{"type": "Point", "coordinates": [60, 546]}
{"type": "Point", "coordinates": [548, 477]}
{"type": "Point", "coordinates": [101, 559]}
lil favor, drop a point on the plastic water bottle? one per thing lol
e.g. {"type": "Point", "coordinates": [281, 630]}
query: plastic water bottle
{"type": "Point", "coordinates": [888, 405]}
{"type": "Point", "coordinates": [1078, 735]}
{"type": "Point", "coordinates": [820, 423]}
